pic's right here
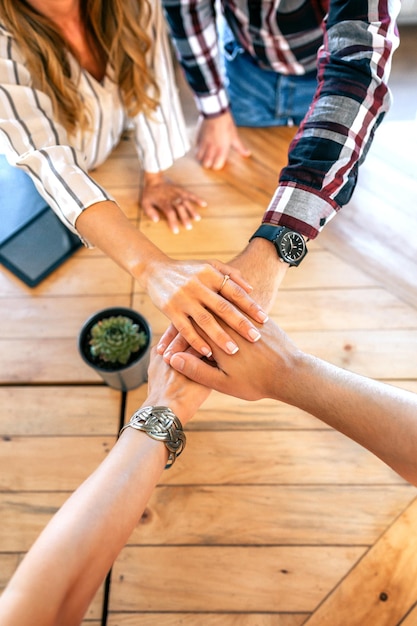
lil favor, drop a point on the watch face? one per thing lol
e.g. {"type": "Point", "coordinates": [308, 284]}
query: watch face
{"type": "Point", "coordinates": [291, 246]}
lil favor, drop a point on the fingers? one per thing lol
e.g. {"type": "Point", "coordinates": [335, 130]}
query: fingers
{"type": "Point", "coordinates": [236, 290]}
{"type": "Point", "coordinates": [179, 345]}
{"type": "Point", "coordinates": [178, 212]}
{"type": "Point", "coordinates": [151, 213]}
{"type": "Point", "coordinates": [197, 370]}
{"type": "Point", "coordinates": [196, 306]}
{"type": "Point", "coordinates": [179, 206]}
{"type": "Point", "coordinates": [234, 274]}
{"type": "Point", "coordinates": [205, 321]}
{"type": "Point", "coordinates": [166, 386]}
{"type": "Point", "coordinates": [181, 212]}
{"type": "Point", "coordinates": [240, 147]}
{"type": "Point", "coordinates": [212, 157]}
{"type": "Point", "coordinates": [218, 305]}
{"type": "Point", "coordinates": [215, 138]}
{"type": "Point", "coordinates": [171, 341]}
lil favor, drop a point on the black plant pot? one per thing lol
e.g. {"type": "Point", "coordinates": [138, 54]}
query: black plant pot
{"type": "Point", "coordinates": [121, 377]}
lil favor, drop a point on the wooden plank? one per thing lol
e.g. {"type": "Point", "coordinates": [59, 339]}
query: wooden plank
{"type": "Point", "coordinates": [387, 354]}
{"type": "Point", "coordinates": [209, 619]}
{"type": "Point", "coordinates": [322, 310]}
{"type": "Point", "coordinates": [334, 515]}
{"type": "Point", "coordinates": [40, 338]}
{"type": "Point", "coordinates": [24, 516]}
{"type": "Point", "coordinates": [226, 201]}
{"type": "Point", "coordinates": [321, 269]}
{"type": "Point", "coordinates": [300, 457]}
{"type": "Point", "coordinates": [224, 579]}
{"type": "Point", "coordinates": [87, 274]}
{"type": "Point", "coordinates": [374, 228]}
{"type": "Point", "coordinates": [209, 238]}
{"type": "Point", "coordinates": [8, 564]}
{"type": "Point", "coordinates": [51, 411]}
{"type": "Point", "coordinates": [50, 317]}
{"type": "Point", "coordinates": [411, 617]}
{"type": "Point", "coordinates": [274, 515]}
{"type": "Point", "coordinates": [56, 463]}
{"type": "Point", "coordinates": [46, 360]}
{"type": "Point", "coordinates": [382, 588]}
{"type": "Point", "coordinates": [331, 309]}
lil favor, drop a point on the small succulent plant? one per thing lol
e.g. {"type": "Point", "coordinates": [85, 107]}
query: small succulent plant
{"type": "Point", "coordinates": [115, 339]}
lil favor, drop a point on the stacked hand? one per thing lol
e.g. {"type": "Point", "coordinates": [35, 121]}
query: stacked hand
{"type": "Point", "coordinates": [188, 292]}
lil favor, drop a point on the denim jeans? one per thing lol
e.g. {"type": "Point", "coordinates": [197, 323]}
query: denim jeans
{"type": "Point", "coordinates": [262, 97]}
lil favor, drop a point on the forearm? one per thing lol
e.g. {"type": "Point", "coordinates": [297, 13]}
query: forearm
{"type": "Point", "coordinates": [380, 417]}
{"type": "Point", "coordinates": [63, 570]}
{"type": "Point", "coordinates": [377, 416]}
{"type": "Point", "coordinates": [56, 581]}
{"type": "Point", "coordinates": [106, 227]}
{"type": "Point", "coordinates": [261, 267]}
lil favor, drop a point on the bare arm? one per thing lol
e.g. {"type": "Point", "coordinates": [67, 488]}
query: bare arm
{"type": "Point", "coordinates": [380, 417]}
{"type": "Point", "coordinates": [260, 265]}
{"type": "Point", "coordinates": [61, 573]}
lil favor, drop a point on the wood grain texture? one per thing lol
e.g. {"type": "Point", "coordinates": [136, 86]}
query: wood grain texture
{"type": "Point", "coordinates": [385, 582]}
{"type": "Point", "coordinates": [269, 518]}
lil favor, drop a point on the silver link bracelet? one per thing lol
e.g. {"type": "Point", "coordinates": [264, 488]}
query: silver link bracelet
{"type": "Point", "coordinates": [160, 423]}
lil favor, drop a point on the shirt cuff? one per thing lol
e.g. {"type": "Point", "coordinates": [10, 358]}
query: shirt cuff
{"type": "Point", "coordinates": [300, 208]}
{"type": "Point", "coordinates": [213, 105]}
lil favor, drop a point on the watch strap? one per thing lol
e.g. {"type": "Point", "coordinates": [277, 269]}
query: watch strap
{"type": "Point", "coordinates": [268, 231]}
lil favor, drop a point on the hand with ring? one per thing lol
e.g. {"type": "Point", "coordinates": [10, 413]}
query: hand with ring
{"type": "Point", "coordinates": [162, 197]}
{"type": "Point", "coordinates": [195, 294]}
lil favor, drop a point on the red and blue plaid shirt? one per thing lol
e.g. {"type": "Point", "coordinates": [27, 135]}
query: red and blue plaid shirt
{"type": "Point", "coordinates": [350, 42]}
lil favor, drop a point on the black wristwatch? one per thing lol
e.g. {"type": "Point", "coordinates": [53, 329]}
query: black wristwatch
{"type": "Point", "coordinates": [289, 244]}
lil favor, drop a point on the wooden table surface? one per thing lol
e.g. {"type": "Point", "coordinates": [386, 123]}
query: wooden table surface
{"type": "Point", "coordinates": [270, 518]}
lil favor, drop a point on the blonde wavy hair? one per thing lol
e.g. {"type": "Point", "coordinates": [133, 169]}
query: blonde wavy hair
{"type": "Point", "coordinates": [118, 32]}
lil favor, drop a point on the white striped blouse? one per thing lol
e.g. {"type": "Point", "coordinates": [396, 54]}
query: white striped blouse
{"type": "Point", "coordinates": [32, 139]}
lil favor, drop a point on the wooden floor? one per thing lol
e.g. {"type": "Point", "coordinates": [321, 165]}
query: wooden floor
{"type": "Point", "coordinates": [269, 518]}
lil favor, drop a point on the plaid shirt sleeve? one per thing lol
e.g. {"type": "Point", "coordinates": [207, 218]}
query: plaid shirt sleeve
{"type": "Point", "coordinates": [351, 100]}
{"type": "Point", "coordinates": [193, 28]}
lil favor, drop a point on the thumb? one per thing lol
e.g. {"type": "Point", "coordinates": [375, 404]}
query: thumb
{"type": "Point", "coordinates": [240, 147]}
{"type": "Point", "coordinates": [194, 368]}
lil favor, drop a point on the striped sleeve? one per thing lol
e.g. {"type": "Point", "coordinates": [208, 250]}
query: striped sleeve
{"type": "Point", "coordinates": [352, 97]}
{"type": "Point", "coordinates": [34, 141]}
{"type": "Point", "coordinates": [161, 137]}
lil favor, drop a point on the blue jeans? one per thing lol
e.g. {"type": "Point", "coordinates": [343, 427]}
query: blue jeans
{"type": "Point", "coordinates": [262, 97]}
